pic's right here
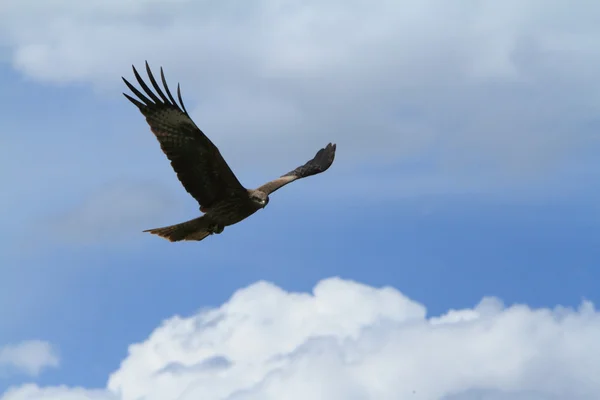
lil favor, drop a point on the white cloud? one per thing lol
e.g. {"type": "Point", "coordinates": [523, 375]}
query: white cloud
{"type": "Point", "coordinates": [29, 357]}
{"type": "Point", "coordinates": [500, 86]}
{"type": "Point", "coordinates": [351, 341]}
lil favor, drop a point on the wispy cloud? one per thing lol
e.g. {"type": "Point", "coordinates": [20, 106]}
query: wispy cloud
{"type": "Point", "coordinates": [506, 87]}
{"type": "Point", "coordinates": [112, 213]}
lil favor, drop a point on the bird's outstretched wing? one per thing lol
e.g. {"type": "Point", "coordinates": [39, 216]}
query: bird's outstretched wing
{"type": "Point", "coordinates": [320, 163]}
{"type": "Point", "coordinates": [197, 161]}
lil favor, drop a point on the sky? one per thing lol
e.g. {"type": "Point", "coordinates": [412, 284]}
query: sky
{"type": "Point", "coordinates": [450, 253]}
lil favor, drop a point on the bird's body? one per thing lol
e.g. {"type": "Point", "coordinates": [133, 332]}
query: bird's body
{"type": "Point", "coordinates": [232, 210]}
{"type": "Point", "coordinates": [202, 170]}
{"type": "Point", "coordinates": [226, 212]}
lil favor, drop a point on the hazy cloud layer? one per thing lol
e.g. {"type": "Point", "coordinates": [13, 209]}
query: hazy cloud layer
{"type": "Point", "coordinates": [498, 87]}
{"type": "Point", "coordinates": [351, 341]}
{"type": "Point", "coordinates": [29, 357]}
{"type": "Point", "coordinates": [112, 213]}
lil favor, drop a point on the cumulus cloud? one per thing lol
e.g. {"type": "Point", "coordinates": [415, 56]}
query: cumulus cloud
{"type": "Point", "coordinates": [506, 87]}
{"type": "Point", "coordinates": [29, 357]}
{"type": "Point", "coordinates": [347, 340]}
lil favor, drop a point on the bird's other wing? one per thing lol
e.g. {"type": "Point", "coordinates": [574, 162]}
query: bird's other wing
{"type": "Point", "coordinates": [320, 163]}
{"type": "Point", "coordinates": [196, 160]}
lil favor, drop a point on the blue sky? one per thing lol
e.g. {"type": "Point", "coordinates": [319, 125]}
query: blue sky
{"type": "Point", "coordinates": [446, 187]}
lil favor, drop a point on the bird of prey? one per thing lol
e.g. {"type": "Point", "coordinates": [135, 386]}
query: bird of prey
{"type": "Point", "coordinates": [202, 170]}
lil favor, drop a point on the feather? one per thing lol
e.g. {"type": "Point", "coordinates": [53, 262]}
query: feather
{"type": "Point", "coordinates": [199, 166]}
{"type": "Point", "coordinates": [318, 164]}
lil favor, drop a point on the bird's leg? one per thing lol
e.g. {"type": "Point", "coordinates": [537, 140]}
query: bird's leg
{"type": "Point", "coordinates": [216, 228]}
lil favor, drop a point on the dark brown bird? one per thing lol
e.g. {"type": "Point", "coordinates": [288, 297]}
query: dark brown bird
{"type": "Point", "coordinates": [202, 170]}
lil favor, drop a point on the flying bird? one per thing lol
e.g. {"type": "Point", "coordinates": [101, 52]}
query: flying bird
{"type": "Point", "coordinates": [201, 168]}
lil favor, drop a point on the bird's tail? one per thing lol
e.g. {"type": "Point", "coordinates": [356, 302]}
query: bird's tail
{"type": "Point", "coordinates": [194, 229]}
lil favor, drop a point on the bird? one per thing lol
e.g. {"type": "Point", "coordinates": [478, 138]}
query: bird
{"type": "Point", "coordinates": [200, 167]}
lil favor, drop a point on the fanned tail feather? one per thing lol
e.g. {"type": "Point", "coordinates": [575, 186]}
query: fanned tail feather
{"type": "Point", "coordinates": [195, 229]}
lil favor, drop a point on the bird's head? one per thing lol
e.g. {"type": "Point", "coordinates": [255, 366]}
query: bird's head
{"type": "Point", "coordinates": [261, 199]}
